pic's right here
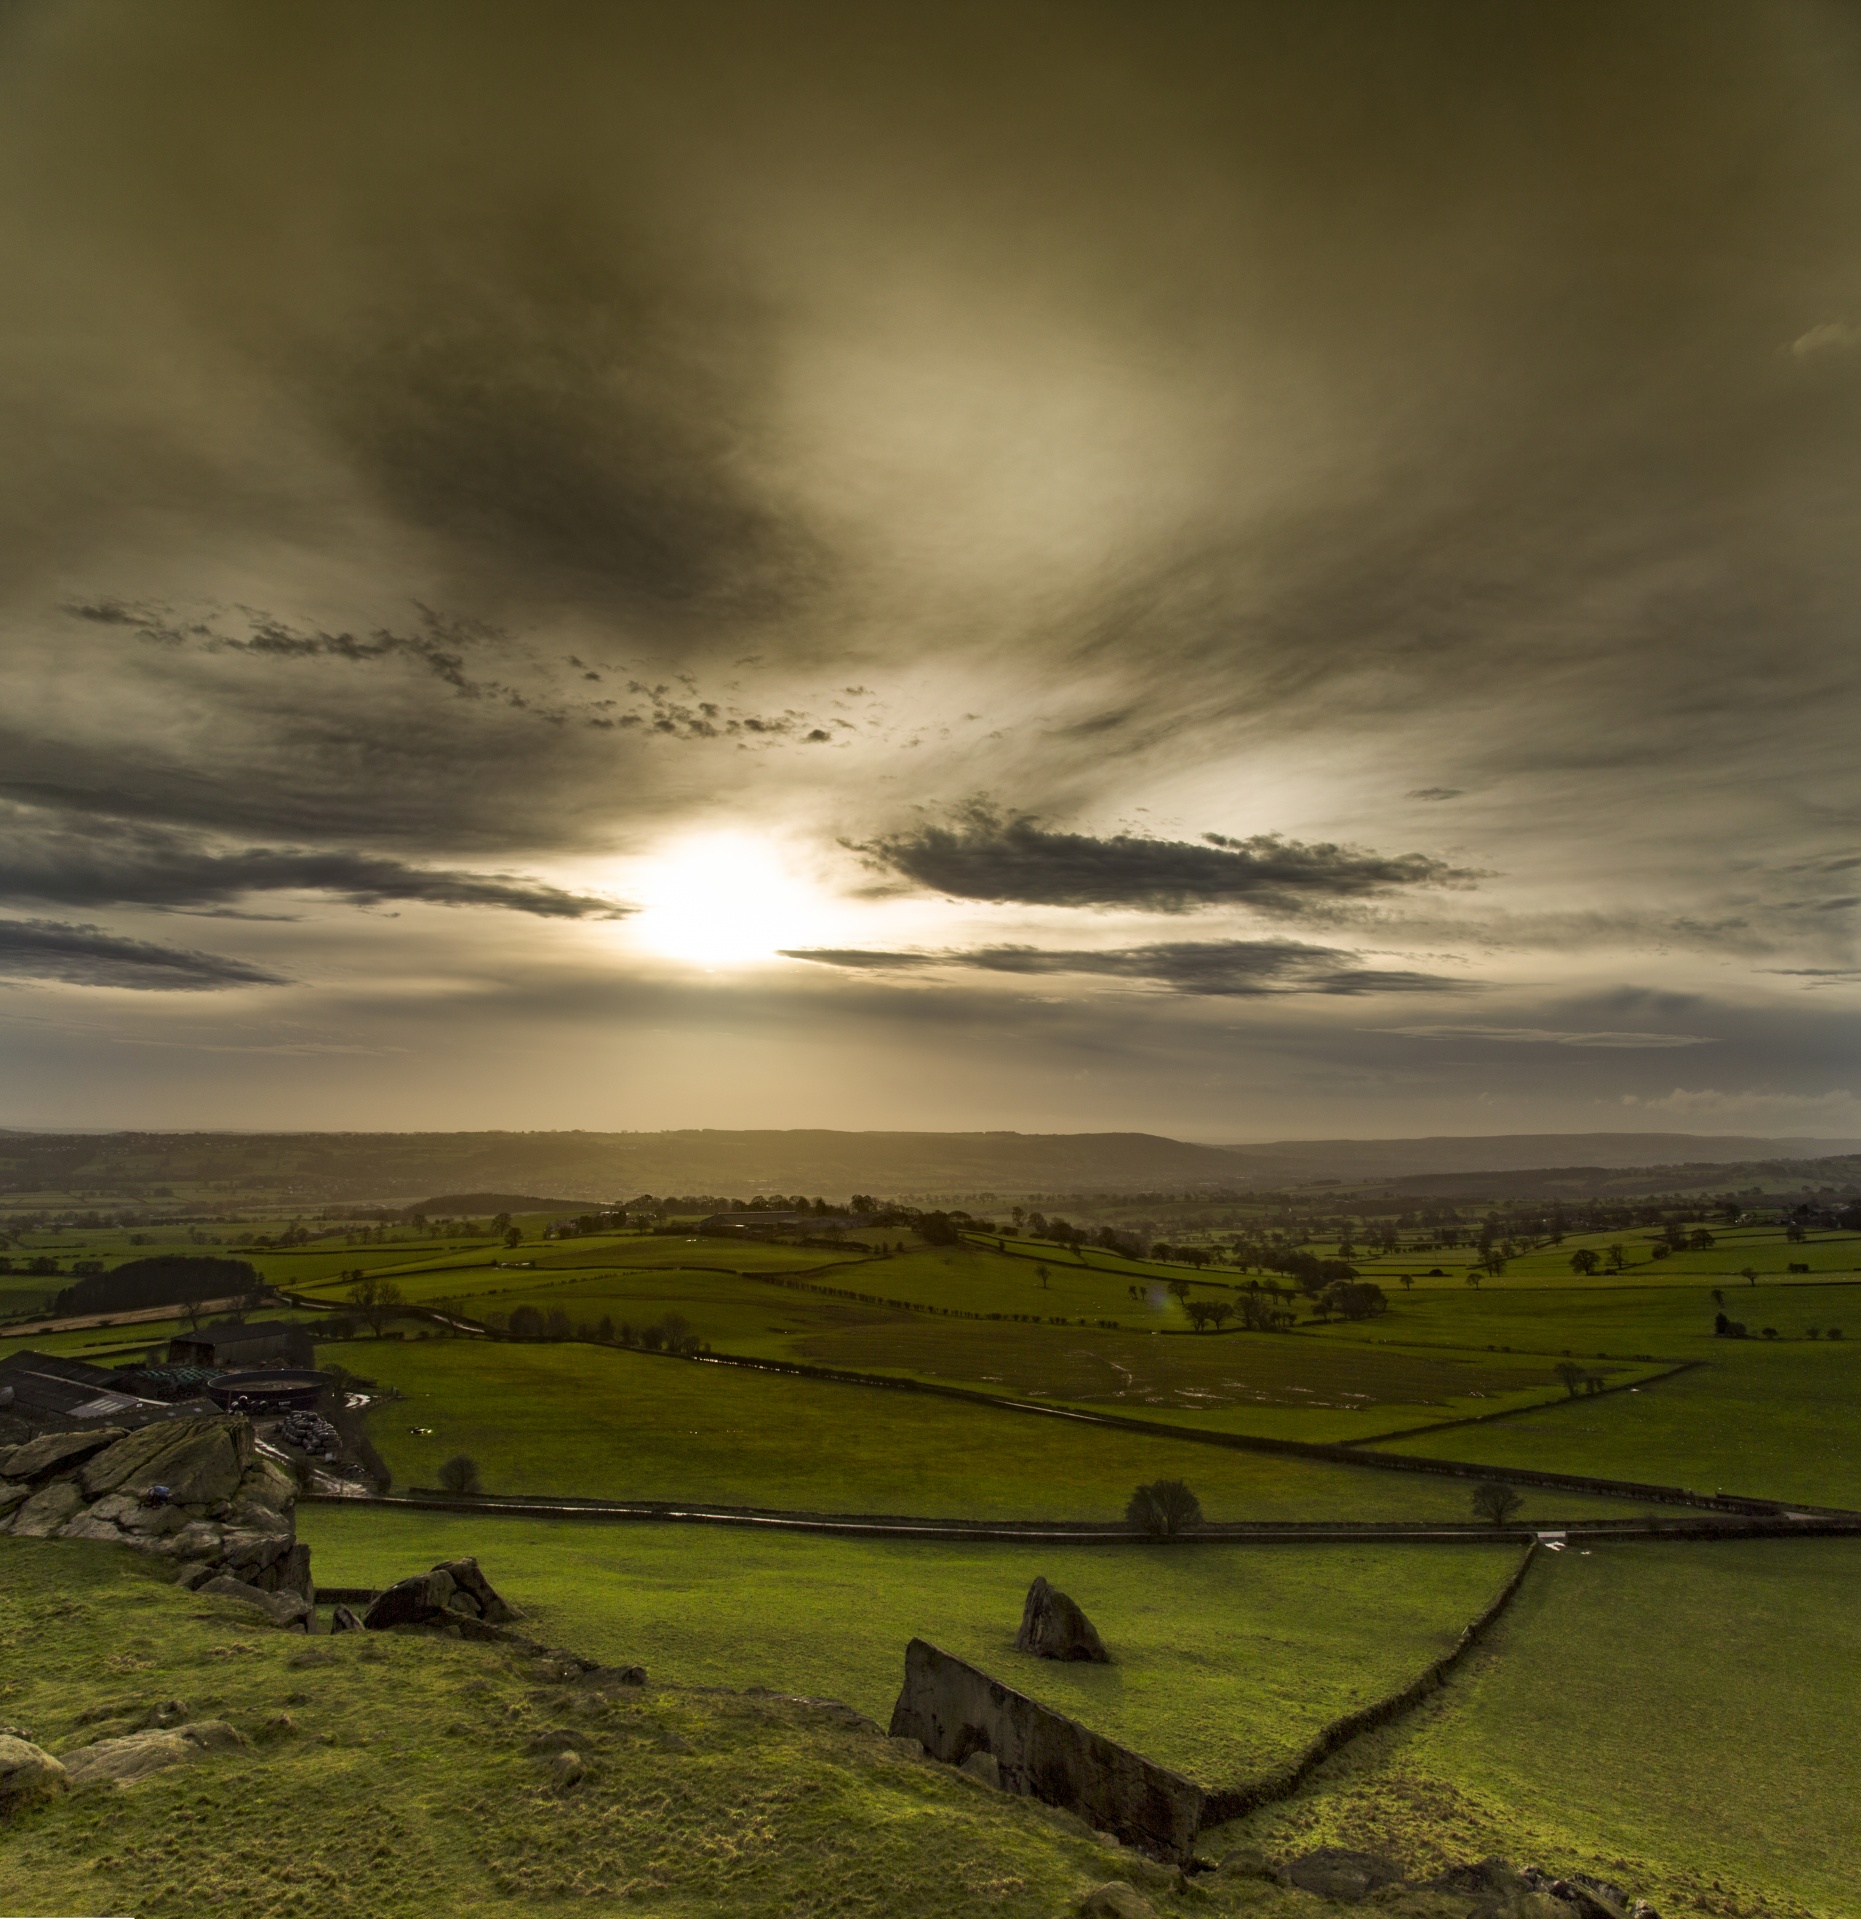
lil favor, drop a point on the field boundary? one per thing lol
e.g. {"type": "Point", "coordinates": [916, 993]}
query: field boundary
{"type": "Point", "coordinates": [1284, 1781]}
{"type": "Point", "coordinates": [1063, 1532]}
{"type": "Point", "coordinates": [1543, 1405]}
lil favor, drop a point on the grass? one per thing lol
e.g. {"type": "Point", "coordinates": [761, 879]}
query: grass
{"type": "Point", "coordinates": [1226, 1658]}
{"type": "Point", "coordinates": [1777, 1419]}
{"type": "Point", "coordinates": [394, 1777]}
{"type": "Point", "coordinates": [606, 1423]}
{"type": "Point", "coordinates": [1677, 1716]}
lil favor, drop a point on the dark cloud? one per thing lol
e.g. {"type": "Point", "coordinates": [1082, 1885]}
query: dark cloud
{"type": "Point", "coordinates": [88, 956]}
{"type": "Point", "coordinates": [1206, 969]}
{"type": "Point", "coordinates": [85, 860]}
{"type": "Point", "coordinates": [990, 855]}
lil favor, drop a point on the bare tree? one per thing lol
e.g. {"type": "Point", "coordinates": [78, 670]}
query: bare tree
{"type": "Point", "coordinates": [1493, 1499]}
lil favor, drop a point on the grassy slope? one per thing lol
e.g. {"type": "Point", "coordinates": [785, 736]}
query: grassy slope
{"type": "Point", "coordinates": [1688, 1707]}
{"type": "Point", "coordinates": [606, 1423]}
{"type": "Point", "coordinates": [1225, 1658]}
{"type": "Point", "coordinates": [404, 1788]}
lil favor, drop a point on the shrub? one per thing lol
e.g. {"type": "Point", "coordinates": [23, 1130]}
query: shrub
{"type": "Point", "coordinates": [1164, 1508]}
{"type": "Point", "coordinates": [460, 1474]}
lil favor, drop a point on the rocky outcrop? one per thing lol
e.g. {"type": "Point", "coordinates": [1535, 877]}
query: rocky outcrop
{"type": "Point", "coordinates": [194, 1489]}
{"type": "Point", "coordinates": [1053, 1627]}
{"type": "Point", "coordinates": [281, 1608]}
{"type": "Point", "coordinates": [953, 1710]}
{"type": "Point", "coordinates": [1335, 1873]}
{"type": "Point", "coordinates": [455, 1593]}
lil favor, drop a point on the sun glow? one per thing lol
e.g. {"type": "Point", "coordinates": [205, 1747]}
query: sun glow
{"type": "Point", "coordinates": [727, 900]}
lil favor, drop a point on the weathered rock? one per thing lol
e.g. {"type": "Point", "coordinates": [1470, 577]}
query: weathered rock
{"type": "Point", "coordinates": [1053, 1627]}
{"type": "Point", "coordinates": [911, 1748]}
{"type": "Point", "coordinates": [567, 1767]}
{"type": "Point", "coordinates": [266, 1492]}
{"type": "Point", "coordinates": [51, 1452]}
{"type": "Point", "coordinates": [1333, 1872]}
{"type": "Point", "coordinates": [411, 1602]}
{"type": "Point", "coordinates": [115, 1762]}
{"type": "Point", "coordinates": [343, 1620]}
{"type": "Point", "coordinates": [984, 1766]}
{"type": "Point", "coordinates": [118, 1762]}
{"type": "Point", "coordinates": [197, 1539]}
{"type": "Point", "coordinates": [91, 1525]}
{"type": "Point", "coordinates": [201, 1460]}
{"type": "Point", "coordinates": [472, 1586]}
{"type": "Point", "coordinates": [49, 1509]}
{"type": "Point", "coordinates": [1116, 1900]}
{"type": "Point", "coordinates": [195, 1574]}
{"type": "Point", "coordinates": [282, 1609]}
{"type": "Point", "coordinates": [13, 1492]}
{"type": "Point", "coordinates": [27, 1772]}
{"type": "Point", "coordinates": [954, 1710]}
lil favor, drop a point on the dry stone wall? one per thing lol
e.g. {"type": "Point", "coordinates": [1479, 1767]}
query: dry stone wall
{"type": "Point", "coordinates": [956, 1712]}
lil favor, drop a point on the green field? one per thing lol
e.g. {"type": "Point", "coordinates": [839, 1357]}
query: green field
{"type": "Point", "coordinates": [1226, 1658]}
{"type": "Point", "coordinates": [1778, 1419]}
{"type": "Point", "coordinates": [601, 1422]}
{"type": "Point", "coordinates": [1683, 1712]}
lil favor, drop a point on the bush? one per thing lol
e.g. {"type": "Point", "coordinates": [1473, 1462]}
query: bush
{"type": "Point", "coordinates": [1164, 1508]}
{"type": "Point", "coordinates": [460, 1475]}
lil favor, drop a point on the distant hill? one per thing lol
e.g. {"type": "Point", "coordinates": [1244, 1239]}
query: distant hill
{"type": "Point", "coordinates": [478, 1173]}
{"type": "Point", "coordinates": [1292, 1160]}
{"type": "Point", "coordinates": [470, 1205]}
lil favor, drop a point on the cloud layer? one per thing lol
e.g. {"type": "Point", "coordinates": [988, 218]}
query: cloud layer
{"type": "Point", "coordinates": [1300, 492]}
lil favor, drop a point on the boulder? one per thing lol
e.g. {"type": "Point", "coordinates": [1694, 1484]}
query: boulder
{"type": "Point", "coordinates": [984, 1766]}
{"type": "Point", "coordinates": [52, 1451]}
{"type": "Point", "coordinates": [343, 1620]}
{"type": "Point", "coordinates": [273, 1562]}
{"type": "Point", "coordinates": [92, 1525]}
{"type": "Point", "coordinates": [265, 1493]}
{"type": "Point", "coordinates": [1116, 1900]}
{"type": "Point", "coordinates": [201, 1460]}
{"type": "Point", "coordinates": [48, 1510]}
{"type": "Point", "coordinates": [492, 1606]}
{"type": "Point", "coordinates": [282, 1609]}
{"type": "Point", "coordinates": [118, 1762]}
{"type": "Point", "coordinates": [27, 1772]}
{"type": "Point", "coordinates": [13, 1492]}
{"type": "Point", "coordinates": [566, 1767]}
{"type": "Point", "coordinates": [197, 1539]}
{"type": "Point", "coordinates": [411, 1602]}
{"type": "Point", "coordinates": [1333, 1872]}
{"type": "Point", "coordinates": [1053, 1627]}
{"type": "Point", "coordinates": [115, 1762]}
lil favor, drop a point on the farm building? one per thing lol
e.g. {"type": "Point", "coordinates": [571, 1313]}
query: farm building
{"type": "Point", "coordinates": [267, 1342]}
{"type": "Point", "coordinates": [43, 1390]}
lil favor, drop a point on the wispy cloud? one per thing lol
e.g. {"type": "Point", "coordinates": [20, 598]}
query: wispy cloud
{"type": "Point", "coordinates": [986, 854]}
{"type": "Point", "coordinates": [88, 956]}
{"type": "Point", "coordinates": [1549, 1036]}
{"type": "Point", "coordinates": [1217, 969]}
{"type": "Point", "coordinates": [81, 860]}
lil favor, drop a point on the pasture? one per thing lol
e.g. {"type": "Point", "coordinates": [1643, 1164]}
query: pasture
{"type": "Point", "coordinates": [603, 1422]}
{"type": "Point", "coordinates": [1684, 1709]}
{"type": "Point", "coordinates": [1225, 1658]}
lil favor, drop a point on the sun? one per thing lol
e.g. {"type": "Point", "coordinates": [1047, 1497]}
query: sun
{"type": "Point", "coordinates": [725, 899]}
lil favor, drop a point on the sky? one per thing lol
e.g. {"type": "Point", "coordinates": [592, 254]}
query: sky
{"type": "Point", "coordinates": [1236, 570]}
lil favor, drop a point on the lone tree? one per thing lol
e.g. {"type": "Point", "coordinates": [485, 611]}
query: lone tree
{"type": "Point", "coordinates": [1571, 1374]}
{"type": "Point", "coordinates": [460, 1474]}
{"type": "Point", "coordinates": [376, 1299]}
{"type": "Point", "coordinates": [1164, 1509]}
{"type": "Point", "coordinates": [1493, 1499]}
{"type": "Point", "coordinates": [1584, 1261]}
